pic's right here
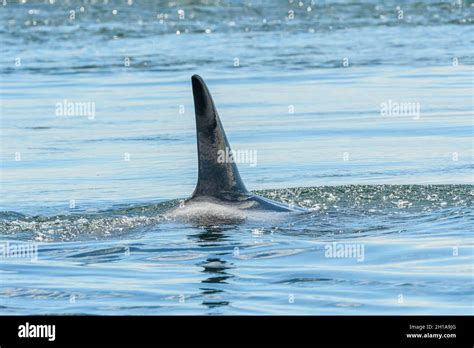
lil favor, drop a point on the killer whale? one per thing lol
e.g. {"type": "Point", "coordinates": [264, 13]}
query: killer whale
{"type": "Point", "coordinates": [219, 183]}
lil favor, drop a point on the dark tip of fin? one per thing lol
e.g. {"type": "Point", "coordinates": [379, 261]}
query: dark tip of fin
{"type": "Point", "coordinates": [218, 177]}
{"type": "Point", "coordinates": [203, 103]}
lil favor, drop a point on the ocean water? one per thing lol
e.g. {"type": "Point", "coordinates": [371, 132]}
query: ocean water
{"type": "Point", "coordinates": [359, 111]}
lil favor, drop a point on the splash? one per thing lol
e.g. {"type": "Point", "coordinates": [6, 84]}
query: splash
{"type": "Point", "coordinates": [338, 203]}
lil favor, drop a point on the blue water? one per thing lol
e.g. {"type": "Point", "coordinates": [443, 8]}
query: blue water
{"type": "Point", "coordinates": [306, 93]}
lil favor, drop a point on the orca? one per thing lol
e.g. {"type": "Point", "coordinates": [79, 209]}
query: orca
{"type": "Point", "coordinates": [220, 193]}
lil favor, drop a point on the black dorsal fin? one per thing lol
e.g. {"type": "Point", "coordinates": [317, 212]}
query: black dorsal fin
{"type": "Point", "coordinates": [216, 178]}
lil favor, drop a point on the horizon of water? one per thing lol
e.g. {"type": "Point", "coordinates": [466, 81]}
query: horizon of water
{"type": "Point", "coordinates": [305, 94]}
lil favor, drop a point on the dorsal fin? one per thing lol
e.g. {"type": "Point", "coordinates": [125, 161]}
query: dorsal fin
{"type": "Point", "coordinates": [216, 178]}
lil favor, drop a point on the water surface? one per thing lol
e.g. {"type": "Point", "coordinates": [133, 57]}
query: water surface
{"type": "Point", "coordinates": [305, 93]}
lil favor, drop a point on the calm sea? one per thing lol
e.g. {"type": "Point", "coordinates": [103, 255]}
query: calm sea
{"type": "Point", "coordinates": [360, 111]}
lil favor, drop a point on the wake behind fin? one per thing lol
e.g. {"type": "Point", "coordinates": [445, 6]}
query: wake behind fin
{"type": "Point", "coordinates": [217, 177]}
